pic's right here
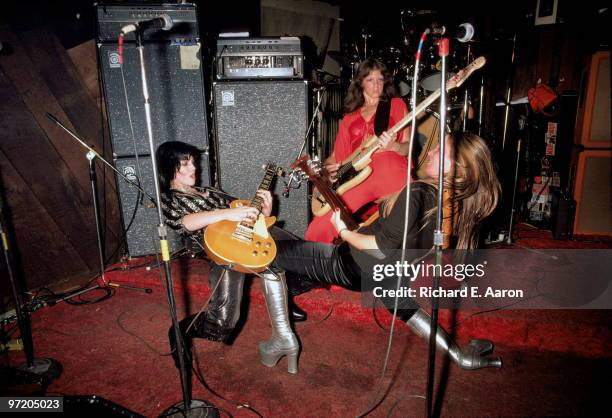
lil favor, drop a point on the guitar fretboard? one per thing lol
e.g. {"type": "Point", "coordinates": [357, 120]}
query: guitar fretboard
{"type": "Point", "coordinates": [266, 184]}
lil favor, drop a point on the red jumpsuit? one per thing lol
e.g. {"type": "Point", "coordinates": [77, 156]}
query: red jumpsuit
{"type": "Point", "coordinates": [388, 168]}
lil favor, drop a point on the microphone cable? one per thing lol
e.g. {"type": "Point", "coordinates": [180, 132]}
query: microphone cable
{"type": "Point", "coordinates": [375, 403]}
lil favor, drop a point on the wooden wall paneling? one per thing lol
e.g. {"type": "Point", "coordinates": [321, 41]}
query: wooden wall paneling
{"type": "Point", "coordinates": [84, 59]}
{"type": "Point", "coordinates": [36, 93]}
{"type": "Point", "coordinates": [58, 71]}
{"type": "Point", "coordinates": [44, 253]}
{"type": "Point", "coordinates": [50, 179]}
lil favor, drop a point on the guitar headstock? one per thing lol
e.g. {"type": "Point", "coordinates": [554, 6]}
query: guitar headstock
{"type": "Point", "coordinates": [459, 78]}
{"type": "Point", "coordinates": [311, 168]}
{"type": "Point", "coordinates": [271, 168]}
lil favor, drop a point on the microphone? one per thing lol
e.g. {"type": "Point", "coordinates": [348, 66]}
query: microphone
{"type": "Point", "coordinates": [163, 22]}
{"type": "Point", "coordinates": [464, 33]}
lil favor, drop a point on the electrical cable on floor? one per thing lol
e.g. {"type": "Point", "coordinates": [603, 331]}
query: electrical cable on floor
{"type": "Point", "coordinates": [397, 401]}
{"type": "Point", "coordinates": [196, 367]}
{"type": "Point", "coordinates": [239, 405]}
{"type": "Point", "coordinates": [177, 409]}
{"type": "Point", "coordinates": [138, 337]}
{"type": "Point", "coordinates": [499, 308]}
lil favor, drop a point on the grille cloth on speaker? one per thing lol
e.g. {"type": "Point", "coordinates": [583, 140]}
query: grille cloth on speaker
{"type": "Point", "coordinates": [257, 122]}
{"type": "Point", "coordinates": [174, 79]}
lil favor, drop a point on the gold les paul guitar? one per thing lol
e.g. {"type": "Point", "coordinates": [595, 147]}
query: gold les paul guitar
{"type": "Point", "coordinates": [244, 246]}
{"type": "Point", "coordinates": [355, 168]}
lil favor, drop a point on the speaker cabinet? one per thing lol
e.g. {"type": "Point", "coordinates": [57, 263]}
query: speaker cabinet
{"type": "Point", "coordinates": [142, 237]}
{"type": "Point", "coordinates": [176, 93]}
{"type": "Point", "coordinates": [592, 193]}
{"type": "Point", "coordinates": [174, 78]}
{"type": "Point", "coordinates": [257, 122]}
{"type": "Point", "coordinates": [593, 123]}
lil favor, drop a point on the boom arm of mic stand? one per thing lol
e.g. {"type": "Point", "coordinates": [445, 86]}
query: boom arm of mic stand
{"type": "Point", "coordinates": [314, 114]}
{"type": "Point", "coordinates": [95, 153]}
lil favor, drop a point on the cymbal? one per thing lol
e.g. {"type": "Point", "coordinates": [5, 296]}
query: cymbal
{"type": "Point", "coordinates": [341, 59]}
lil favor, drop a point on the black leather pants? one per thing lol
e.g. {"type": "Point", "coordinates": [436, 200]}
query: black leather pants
{"type": "Point", "coordinates": [318, 262]}
{"type": "Point", "coordinates": [327, 263]}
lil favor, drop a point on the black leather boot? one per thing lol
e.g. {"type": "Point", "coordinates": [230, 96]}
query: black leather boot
{"type": "Point", "coordinates": [297, 314]}
{"type": "Point", "coordinates": [296, 285]}
{"type": "Point", "coordinates": [201, 328]}
{"type": "Point", "coordinates": [187, 338]}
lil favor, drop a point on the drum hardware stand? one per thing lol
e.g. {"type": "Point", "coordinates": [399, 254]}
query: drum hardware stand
{"type": "Point", "coordinates": [365, 35]}
{"type": "Point", "coordinates": [509, 92]}
{"type": "Point", "coordinates": [513, 208]}
{"type": "Point", "coordinates": [91, 155]}
{"type": "Point", "coordinates": [466, 94]}
{"type": "Point", "coordinates": [481, 105]}
{"type": "Point", "coordinates": [47, 368]}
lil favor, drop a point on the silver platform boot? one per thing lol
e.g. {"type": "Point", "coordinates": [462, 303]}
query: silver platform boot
{"type": "Point", "coordinates": [472, 356]}
{"type": "Point", "coordinates": [283, 341]}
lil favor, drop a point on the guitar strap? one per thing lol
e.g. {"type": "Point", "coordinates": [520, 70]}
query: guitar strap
{"type": "Point", "coordinates": [381, 119]}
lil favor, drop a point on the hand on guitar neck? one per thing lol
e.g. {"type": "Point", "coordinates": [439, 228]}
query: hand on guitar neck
{"type": "Point", "coordinates": [330, 169]}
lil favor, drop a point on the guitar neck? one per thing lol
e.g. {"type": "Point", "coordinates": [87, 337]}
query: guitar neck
{"type": "Point", "coordinates": [334, 202]}
{"type": "Point", "coordinates": [331, 198]}
{"type": "Point", "coordinates": [266, 184]}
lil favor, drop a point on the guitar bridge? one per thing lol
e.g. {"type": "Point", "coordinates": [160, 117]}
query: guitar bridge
{"type": "Point", "coordinates": [243, 233]}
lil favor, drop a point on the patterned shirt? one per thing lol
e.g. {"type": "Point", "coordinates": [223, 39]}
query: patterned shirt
{"type": "Point", "coordinates": [176, 204]}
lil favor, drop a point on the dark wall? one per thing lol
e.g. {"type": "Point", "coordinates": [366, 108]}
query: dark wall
{"type": "Point", "coordinates": [45, 173]}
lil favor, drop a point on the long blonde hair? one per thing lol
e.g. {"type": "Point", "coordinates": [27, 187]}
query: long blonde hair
{"type": "Point", "coordinates": [475, 188]}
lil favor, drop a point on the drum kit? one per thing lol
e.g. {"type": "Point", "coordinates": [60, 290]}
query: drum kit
{"type": "Point", "coordinates": [399, 57]}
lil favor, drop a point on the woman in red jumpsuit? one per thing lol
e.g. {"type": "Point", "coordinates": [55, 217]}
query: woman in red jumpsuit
{"type": "Point", "coordinates": [369, 104]}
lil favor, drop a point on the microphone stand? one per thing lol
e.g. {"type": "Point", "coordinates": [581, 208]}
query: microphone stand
{"type": "Point", "coordinates": [91, 155]}
{"type": "Point", "coordinates": [305, 142]}
{"type": "Point", "coordinates": [47, 368]}
{"type": "Point", "coordinates": [188, 406]}
{"type": "Point", "coordinates": [443, 50]}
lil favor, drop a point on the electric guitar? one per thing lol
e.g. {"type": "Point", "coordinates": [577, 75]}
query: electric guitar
{"type": "Point", "coordinates": [311, 169]}
{"type": "Point", "coordinates": [355, 168]}
{"type": "Point", "coordinates": [244, 246]}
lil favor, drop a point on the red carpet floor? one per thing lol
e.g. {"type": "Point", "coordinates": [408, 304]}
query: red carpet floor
{"type": "Point", "coordinates": [556, 363]}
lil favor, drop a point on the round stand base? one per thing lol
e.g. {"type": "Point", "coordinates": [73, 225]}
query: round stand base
{"type": "Point", "coordinates": [197, 409]}
{"type": "Point", "coordinates": [46, 367]}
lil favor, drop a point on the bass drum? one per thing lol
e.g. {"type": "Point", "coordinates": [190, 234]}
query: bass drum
{"type": "Point", "coordinates": [427, 138]}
